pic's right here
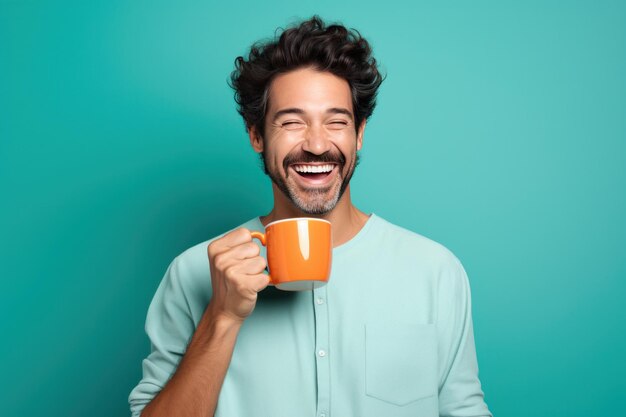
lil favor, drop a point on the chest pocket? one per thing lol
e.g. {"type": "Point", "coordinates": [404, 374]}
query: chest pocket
{"type": "Point", "coordinates": [400, 362]}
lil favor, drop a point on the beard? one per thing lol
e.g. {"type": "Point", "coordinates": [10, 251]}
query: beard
{"type": "Point", "coordinates": [312, 200]}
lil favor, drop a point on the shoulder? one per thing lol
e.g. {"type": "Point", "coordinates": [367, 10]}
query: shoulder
{"type": "Point", "coordinates": [404, 242]}
{"type": "Point", "coordinates": [436, 266]}
{"type": "Point", "coordinates": [428, 262]}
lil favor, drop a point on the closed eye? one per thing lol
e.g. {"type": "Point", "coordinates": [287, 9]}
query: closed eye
{"type": "Point", "coordinates": [292, 124]}
{"type": "Point", "coordinates": [338, 124]}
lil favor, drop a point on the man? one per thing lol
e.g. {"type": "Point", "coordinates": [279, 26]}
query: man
{"type": "Point", "coordinates": [389, 335]}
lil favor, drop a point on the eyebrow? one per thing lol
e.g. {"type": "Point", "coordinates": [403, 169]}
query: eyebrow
{"type": "Point", "coordinates": [295, 110]}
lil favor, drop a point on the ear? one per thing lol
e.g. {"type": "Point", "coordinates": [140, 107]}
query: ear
{"type": "Point", "coordinates": [359, 135]}
{"type": "Point", "coordinates": [255, 139]}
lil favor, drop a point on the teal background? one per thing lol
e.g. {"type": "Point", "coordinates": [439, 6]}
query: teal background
{"type": "Point", "coordinates": [500, 132]}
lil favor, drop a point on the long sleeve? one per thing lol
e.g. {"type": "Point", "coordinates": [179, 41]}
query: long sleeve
{"type": "Point", "coordinates": [169, 326]}
{"type": "Point", "coordinates": [460, 393]}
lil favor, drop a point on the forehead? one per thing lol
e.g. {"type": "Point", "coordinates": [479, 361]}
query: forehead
{"type": "Point", "coordinates": [310, 90]}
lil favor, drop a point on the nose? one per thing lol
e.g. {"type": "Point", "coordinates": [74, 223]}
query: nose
{"type": "Point", "coordinates": [316, 140]}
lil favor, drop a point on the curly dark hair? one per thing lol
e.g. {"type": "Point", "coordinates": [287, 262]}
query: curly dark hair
{"type": "Point", "coordinates": [333, 48]}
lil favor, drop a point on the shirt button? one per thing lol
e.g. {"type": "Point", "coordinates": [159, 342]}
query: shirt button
{"type": "Point", "coordinates": [319, 301]}
{"type": "Point", "coordinates": [322, 353]}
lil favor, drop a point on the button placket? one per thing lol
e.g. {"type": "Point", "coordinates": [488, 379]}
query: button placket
{"type": "Point", "coordinates": [322, 354]}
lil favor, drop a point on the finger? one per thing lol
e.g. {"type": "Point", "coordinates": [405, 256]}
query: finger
{"type": "Point", "coordinates": [232, 257]}
{"type": "Point", "coordinates": [243, 251]}
{"type": "Point", "coordinates": [236, 237]}
{"type": "Point", "coordinates": [229, 240]}
{"type": "Point", "coordinates": [259, 282]}
{"type": "Point", "coordinates": [251, 266]}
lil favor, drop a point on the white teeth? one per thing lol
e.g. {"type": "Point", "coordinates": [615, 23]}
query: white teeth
{"type": "Point", "coordinates": [313, 168]}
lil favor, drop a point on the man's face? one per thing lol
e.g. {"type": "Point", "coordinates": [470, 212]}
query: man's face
{"type": "Point", "coordinates": [310, 144]}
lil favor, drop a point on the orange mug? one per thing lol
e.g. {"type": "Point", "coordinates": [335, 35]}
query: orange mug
{"type": "Point", "coordinates": [299, 252]}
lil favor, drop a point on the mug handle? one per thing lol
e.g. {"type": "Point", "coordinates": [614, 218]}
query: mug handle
{"type": "Point", "coordinates": [261, 237]}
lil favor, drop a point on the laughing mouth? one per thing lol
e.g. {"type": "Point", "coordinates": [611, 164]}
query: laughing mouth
{"type": "Point", "coordinates": [313, 171]}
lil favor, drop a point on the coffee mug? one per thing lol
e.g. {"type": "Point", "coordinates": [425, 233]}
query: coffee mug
{"type": "Point", "coordinates": [299, 252]}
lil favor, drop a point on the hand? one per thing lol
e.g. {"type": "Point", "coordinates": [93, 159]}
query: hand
{"type": "Point", "coordinates": [237, 274]}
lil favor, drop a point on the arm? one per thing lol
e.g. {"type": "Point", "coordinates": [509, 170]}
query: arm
{"type": "Point", "coordinates": [195, 387]}
{"type": "Point", "coordinates": [460, 393]}
{"type": "Point", "coordinates": [194, 384]}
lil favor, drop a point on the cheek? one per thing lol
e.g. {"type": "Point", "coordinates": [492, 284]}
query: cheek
{"type": "Point", "coordinates": [349, 146]}
{"type": "Point", "coordinates": [275, 156]}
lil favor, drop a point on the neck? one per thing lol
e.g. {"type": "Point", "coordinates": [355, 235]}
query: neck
{"type": "Point", "coordinates": [345, 218]}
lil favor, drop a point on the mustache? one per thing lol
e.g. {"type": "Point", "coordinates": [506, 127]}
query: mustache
{"type": "Point", "coordinates": [304, 157]}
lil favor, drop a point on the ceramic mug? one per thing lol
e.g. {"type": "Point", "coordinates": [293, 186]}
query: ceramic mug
{"type": "Point", "coordinates": [299, 252]}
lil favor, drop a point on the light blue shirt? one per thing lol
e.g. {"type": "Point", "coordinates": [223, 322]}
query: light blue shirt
{"type": "Point", "coordinates": [390, 335]}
